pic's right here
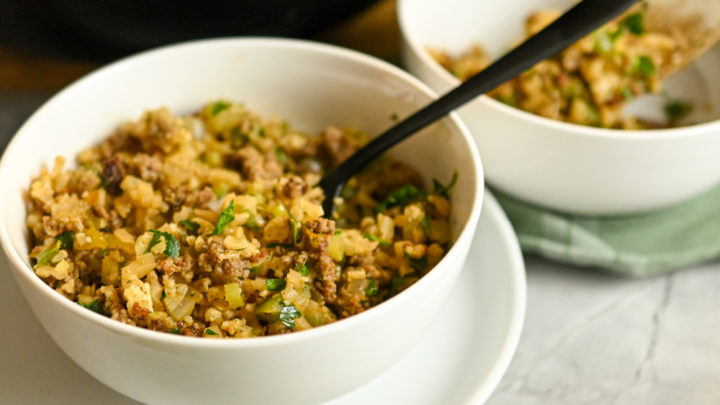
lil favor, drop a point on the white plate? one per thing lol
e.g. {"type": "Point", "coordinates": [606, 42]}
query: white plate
{"type": "Point", "coordinates": [460, 360]}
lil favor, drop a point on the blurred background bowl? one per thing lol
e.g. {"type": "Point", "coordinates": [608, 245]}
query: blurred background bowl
{"type": "Point", "coordinates": [562, 166]}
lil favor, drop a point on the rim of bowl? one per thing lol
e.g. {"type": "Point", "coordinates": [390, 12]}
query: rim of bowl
{"type": "Point", "coordinates": [561, 126]}
{"type": "Point", "coordinates": [468, 228]}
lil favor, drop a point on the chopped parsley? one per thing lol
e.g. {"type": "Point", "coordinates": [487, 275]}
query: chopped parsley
{"type": "Point", "coordinates": [295, 228]}
{"type": "Point", "coordinates": [191, 226]}
{"type": "Point", "coordinates": [162, 295]}
{"type": "Point", "coordinates": [400, 197]}
{"type": "Point", "coordinates": [46, 255]}
{"type": "Point", "coordinates": [643, 65]}
{"type": "Point", "coordinates": [172, 247]}
{"type": "Point", "coordinates": [303, 269]}
{"type": "Point", "coordinates": [276, 244]}
{"type": "Point", "coordinates": [397, 284]}
{"type": "Point", "coordinates": [371, 290]}
{"type": "Point", "coordinates": [288, 314]}
{"type": "Point", "coordinates": [425, 223]}
{"type": "Point", "coordinates": [337, 232]}
{"type": "Point", "coordinates": [175, 330]}
{"type": "Point", "coordinates": [676, 110]}
{"type": "Point", "coordinates": [237, 138]}
{"type": "Point", "coordinates": [282, 157]}
{"type": "Point", "coordinates": [219, 106]}
{"type": "Point", "coordinates": [66, 240]}
{"type": "Point", "coordinates": [417, 264]}
{"type": "Point", "coordinates": [226, 216]}
{"type": "Point", "coordinates": [382, 242]}
{"type": "Point", "coordinates": [211, 332]}
{"type": "Point", "coordinates": [275, 284]}
{"type": "Point", "coordinates": [440, 189]}
{"type": "Point", "coordinates": [634, 23]}
{"type": "Point", "coordinates": [95, 306]}
{"type": "Point", "coordinates": [394, 117]}
{"type": "Point", "coordinates": [254, 269]}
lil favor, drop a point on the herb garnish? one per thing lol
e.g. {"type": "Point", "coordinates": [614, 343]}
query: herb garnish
{"type": "Point", "coordinates": [643, 65]}
{"type": "Point", "coordinates": [95, 307]}
{"type": "Point", "coordinates": [276, 244]}
{"type": "Point", "coordinates": [380, 241]}
{"type": "Point", "coordinates": [282, 157]}
{"type": "Point", "coordinates": [634, 23]}
{"type": "Point", "coordinates": [191, 226]}
{"type": "Point", "coordinates": [444, 191]}
{"type": "Point", "coordinates": [237, 138]}
{"type": "Point", "coordinates": [211, 332]}
{"type": "Point", "coordinates": [66, 240]}
{"type": "Point", "coordinates": [275, 284]}
{"type": "Point", "coordinates": [677, 110]}
{"type": "Point", "coordinates": [417, 264]}
{"type": "Point", "coordinates": [288, 314]}
{"type": "Point", "coordinates": [219, 106]}
{"type": "Point", "coordinates": [401, 196]}
{"type": "Point", "coordinates": [226, 216]}
{"type": "Point", "coordinates": [175, 330]}
{"type": "Point", "coordinates": [48, 253]}
{"type": "Point", "coordinates": [397, 284]}
{"type": "Point", "coordinates": [295, 228]}
{"type": "Point", "coordinates": [371, 289]}
{"type": "Point", "coordinates": [172, 247]}
{"type": "Point", "coordinates": [425, 223]}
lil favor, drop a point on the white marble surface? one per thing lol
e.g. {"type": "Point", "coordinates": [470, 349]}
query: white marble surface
{"type": "Point", "coordinates": [596, 339]}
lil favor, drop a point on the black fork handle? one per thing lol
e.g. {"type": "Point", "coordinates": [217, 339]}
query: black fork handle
{"type": "Point", "coordinates": [573, 25]}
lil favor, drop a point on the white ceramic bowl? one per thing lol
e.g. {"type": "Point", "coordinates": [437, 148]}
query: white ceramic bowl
{"type": "Point", "coordinates": [559, 165]}
{"type": "Point", "coordinates": [312, 85]}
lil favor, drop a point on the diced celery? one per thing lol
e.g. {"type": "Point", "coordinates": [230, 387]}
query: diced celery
{"type": "Point", "coordinates": [48, 254]}
{"type": "Point", "coordinates": [269, 310]}
{"type": "Point", "coordinates": [279, 210]}
{"type": "Point", "coordinates": [233, 295]}
{"type": "Point", "coordinates": [336, 247]}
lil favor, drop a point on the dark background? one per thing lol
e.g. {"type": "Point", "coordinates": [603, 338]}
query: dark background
{"type": "Point", "coordinates": [47, 44]}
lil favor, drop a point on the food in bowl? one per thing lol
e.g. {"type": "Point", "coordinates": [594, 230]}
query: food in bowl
{"type": "Point", "coordinates": [211, 225]}
{"type": "Point", "coordinates": [590, 82]}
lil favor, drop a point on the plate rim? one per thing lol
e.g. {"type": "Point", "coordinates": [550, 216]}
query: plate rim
{"type": "Point", "coordinates": [491, 208]}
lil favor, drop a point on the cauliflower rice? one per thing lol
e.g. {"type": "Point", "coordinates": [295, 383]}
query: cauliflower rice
{"type": "Point", "coordinates": [590, 82]}
{"type": "Point", "coordinates": [211, 225]}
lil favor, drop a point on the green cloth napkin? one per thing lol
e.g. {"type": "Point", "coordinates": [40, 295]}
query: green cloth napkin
{"type": "Point", "coordinates": [636, 245]}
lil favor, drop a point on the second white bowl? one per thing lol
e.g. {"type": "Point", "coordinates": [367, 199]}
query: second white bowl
{"type": "Point", "coordinates": [563, 166]}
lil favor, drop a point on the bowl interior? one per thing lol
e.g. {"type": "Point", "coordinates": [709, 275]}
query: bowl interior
{"type": "Point", "coordinates": [497, 25]}
{"type": "Point", "coordinates": [310, 85]}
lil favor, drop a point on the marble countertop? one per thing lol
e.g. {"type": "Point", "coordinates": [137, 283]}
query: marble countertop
{"type": "Point", "coordinates": [589, 338]}
{"type": "Point", "coordinates": [592, 338]}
